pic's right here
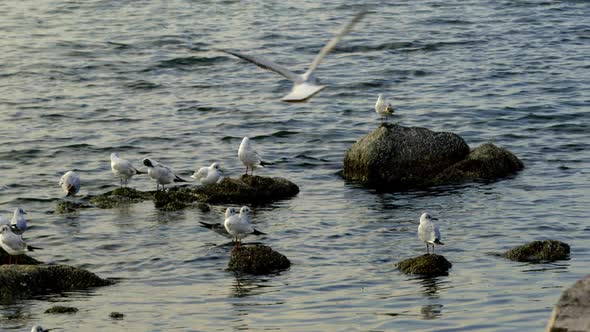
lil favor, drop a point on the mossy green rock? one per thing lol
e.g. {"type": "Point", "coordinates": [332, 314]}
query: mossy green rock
{"type": "Point", "coordinates": [395, 158]}
{"type": "Point", "coordinates": [427, 265]}
{"type": "Point", "coordinates": [120, 196]}
{"type": "Point", "coordinates": [67, 206]}
{"type": "Point", "coordinates": [25, 281]}
{"type": "Point", "coordinates": [257, 259]}
{"type": "Point", "coordinates": [60, 309]}
{"type": "Point", "coordinates": [539, 251]}
{"type": "Point", "coordinates": [21, 259]}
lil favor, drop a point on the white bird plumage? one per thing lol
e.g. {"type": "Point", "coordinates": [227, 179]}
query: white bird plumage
{"type": "Point", "coordinates": [238, 226]}
{"type": "Point", "coordinates": [18, 221]}
{"type": "Point", "coordinates": [161, 173]}
{"type": "Point", "coordinates": [13, 243]}
{"type": "Point", "coordinates": [429, 232]}
{"type": "Point", "coordinates": [305, 85]}
{"type": "Point", "coordinates": [248, 156]}
{"type": "Point", "coordinates": [123, 169]}
{"type": "Point", "coordinates": [70, 183]}
{"type": "Point", "coordinates": [208, 175]}
{"type": "Point", "coordinates": [39, 328]}
{"type": "Point", "coordinates": [383, 108]}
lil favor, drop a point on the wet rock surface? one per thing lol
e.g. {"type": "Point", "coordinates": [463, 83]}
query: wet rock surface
{"type": "Point", "coordinates": [572, 311]}
{"type": "Point", "coordinates": [257, 259]}
{"type": "Point", "coordinates": [394, 157]}
{"type": "Point", "coordinates": [24, 281]}
{"type": "Point", "coordinates": [116, 315]}
{"type": "Point", "coordinates": [427, 265]}
{"type": "Point", "coordinates": [21, 259]}
{"type": "Point", "coordinates": [59, 309]}
{"type": "Point", "coordinates": [539, 251]}
{"type": "Point", "coordinates": [120, 196]}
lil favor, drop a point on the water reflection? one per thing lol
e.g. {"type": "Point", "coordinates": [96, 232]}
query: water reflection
{"type": "Point", "coordinates": [247, 285]}
{"type": "Point", "coordinates": [430, 288]}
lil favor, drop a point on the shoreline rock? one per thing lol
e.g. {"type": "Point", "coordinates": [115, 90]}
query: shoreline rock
{"type": "Point", "coordinates": [427, 265]}
{"type": "Point", "coordinates": [25, 281]}
{"type": "Point", "coordinates": [539, 251]}
{"type": "Point", "coordinates": [397, 158]}
{"type": "Point", "coordinates": [572, 312]}
{"type": "Point", "coordinates": [257, 259]}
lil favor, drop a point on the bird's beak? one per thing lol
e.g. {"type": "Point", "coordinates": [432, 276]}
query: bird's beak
{"type": "Point", "coordinates": [433, 218]}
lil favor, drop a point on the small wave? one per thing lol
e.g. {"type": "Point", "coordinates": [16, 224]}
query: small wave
{"type": "Point", "coordinates": [189, 61]}
{"type": "Point", "coordinates": [141, 85]}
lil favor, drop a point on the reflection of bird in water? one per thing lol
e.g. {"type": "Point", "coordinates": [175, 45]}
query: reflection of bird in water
{"type": "Point", "coordinates": [431, 311]}
{"type": "Point", "coordinates": [430, 286]}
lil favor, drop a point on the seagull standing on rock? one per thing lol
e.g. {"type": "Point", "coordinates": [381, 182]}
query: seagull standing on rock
{"type": "Point", "coordinates": [249, 157]}
{"type": "Point", "coordinates": [12, 243]}
{"type": "Point", "coordinates": [123, 169]}
{"type": "Point", "coordinates": [305, 85]}
{"type": "Point", "coordinates": [70, 183]}
{"type": "Point", "coordinates": [208, 175]}
{"type": "Point", "coordinates": [238, 226]}
{"type": "Point", "coordinates": [383, 108]}
{"type": "Point", "coordinates": [161, 173]}
{"type": "Point", "coordinates": [429, 232]}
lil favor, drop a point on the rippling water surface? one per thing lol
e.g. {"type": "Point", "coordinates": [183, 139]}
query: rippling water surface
{"type": "Point", "coordinates": [81, 79]}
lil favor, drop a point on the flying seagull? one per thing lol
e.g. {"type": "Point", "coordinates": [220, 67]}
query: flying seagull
{"type": "Point", "coordinates": [307, 84]}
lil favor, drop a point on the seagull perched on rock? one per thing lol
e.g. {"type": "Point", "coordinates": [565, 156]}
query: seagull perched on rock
{"type": "Point", "coordinates": [429, 232]}
{"type": "Point", "coordinates": [238, 226]}
{"type": "Point", "coordinates": [208, 175]}
{"type": "Point", "coordinates": [70, 183]}
{"type": "Point", "coordinates": [18, 224]}
{"type": "Point", "coordinates": [383, 108]}
{"type": "Point", "coordinates": [12, 243]}
{"type": "Point", "coordinates": [161, 173]}
{"type": "Point", "coordinates": [249, 157]}
{"type": "Point", "coordinates": [220, 228]}
{"type": "Point", "coordinates": [123, 169]}
{"type": "Point", "coordinates": [305, 85]}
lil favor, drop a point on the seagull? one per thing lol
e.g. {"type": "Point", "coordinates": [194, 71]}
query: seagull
{"type": "Point", "coordinates": [12, 243]}
{"type": "Point", "coordinates": [238, 226]}
{"type": "Point", "coordinates": [208, 175]}
{"type": "Point", "coordinates": [39, 328]}
{"type": "Point", "coordinates": [123, 169]}
{"type": "Point", "coordinates": [18, 224]}
{"type": "Point", "coordinates": [383, 108]}
{"type": "Point", "coordinates": [429, 232]}
{"type": "Point", "coordinates": [305, 85]}
{"type": "Point", "coordinates": [70, 183]}
{"type": "Point", "coordinates": [249, 157]}
{"type": "Point", "coordinates": [220, 228]}
{"type": "Point", "coordinates": [162, 174]}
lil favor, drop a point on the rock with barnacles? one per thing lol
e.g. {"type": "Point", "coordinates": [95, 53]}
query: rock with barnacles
{"type": "Point", "coordinates": [120, 196]}
{"type": "Point", "coordinates": [25, 281]}
{"type": "Point", "coordinates": [257, 259]}
{"type": "Point", "coordinates": [539, 251]}
{"type": "Point", "coordinates": [572, 311]}
{"type": "Point", "coordinates": [426, 265]}
{"type": "Point", "coordinates": [394, 158]}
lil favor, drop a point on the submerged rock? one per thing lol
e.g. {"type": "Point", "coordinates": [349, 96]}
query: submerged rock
{"type": "Point", "coordinates": [257, 259]}
{"type": "Point", "coordinates": [120, 196]}
{"type": "Point", "coordinates": [116, 315]}
{"type": "Point", "coordinates": [65, 206]}
{"type": "Point", "coordinates": [427, 264]}
{"type": "Point", "coordinates": [24, 281]}
{"type": "Point", "coordinates": [60, 309]}
{"type": "Point", "coordinates": [21, 259]}
{"type": "Point", "coordinates": [572, 311]}
{"type": "Point", "coordinates": [539, 251]}
{"type": "Point", "coordinates": [393, 157]}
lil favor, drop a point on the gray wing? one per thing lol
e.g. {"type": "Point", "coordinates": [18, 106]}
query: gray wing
{"type": "Point", "coordinates": [267, 64]}
{"type": "Point", "coordinates": [436, 233]}
{"type": "Point", "coordinates": [332, 43]}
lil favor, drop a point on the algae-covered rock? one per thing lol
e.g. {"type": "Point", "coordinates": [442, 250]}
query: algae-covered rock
{"type": "Point", "coordinates": [572, 311]}
{"type": "Point", "coordinates": [120, 196]}
{"type": "Point", "coordinates": [539, 251]}
{"type": "Point", "coordinates": [60, 309]}
{"type": "Point", "coordinates": [484, 162]}
{"type": "Point", "coordinates": [257, 259]}
{"type": "Point", "coordinates": [24, 281]}
{"type": "Point", "coordinates": [67, 206]}
{"type": "Point", "coordinates": [394, 157]}
{"type": "Point", "coordinates": [116, 315]}
{"type": "Point", "coordinates": [20, 259]}
{"type": "Point", "coordinates": [427, 264]}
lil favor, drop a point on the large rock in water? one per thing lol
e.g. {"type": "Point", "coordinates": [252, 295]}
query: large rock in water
{"type": "Point", "coordinates": [257, 259]}
{"type": "Point", "coordinates": [427, 265]}
{"type": "Point", "coordinates": [572, 311]}
{"type": "Point", "coordinates": [393, 157]}
{"type": "Point", "coordinates": [24, 281]}
{"type": "Point", "coordinates": [539, 251]}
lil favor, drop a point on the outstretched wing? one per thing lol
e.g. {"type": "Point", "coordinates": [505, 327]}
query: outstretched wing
{"type": "Point", "coordinates": [332, 43]}
{"type": "Point", "coordinates": [267, 64]}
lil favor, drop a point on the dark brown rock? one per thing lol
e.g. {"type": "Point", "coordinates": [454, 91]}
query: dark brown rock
{"type": "Point", "coordinates": [427, 265]}
{"type": "Point", "coordinates": [572, 311]}
{"type": "Point", "coordinates": [60, 309]}
{"type": "Point", "coordinates": [539, 251]}
{"type": "Point", "coordinates": [257, 259]}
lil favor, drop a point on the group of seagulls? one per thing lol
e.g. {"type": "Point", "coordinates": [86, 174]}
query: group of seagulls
{"type": "Point", "coordinates": [11, 235]}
